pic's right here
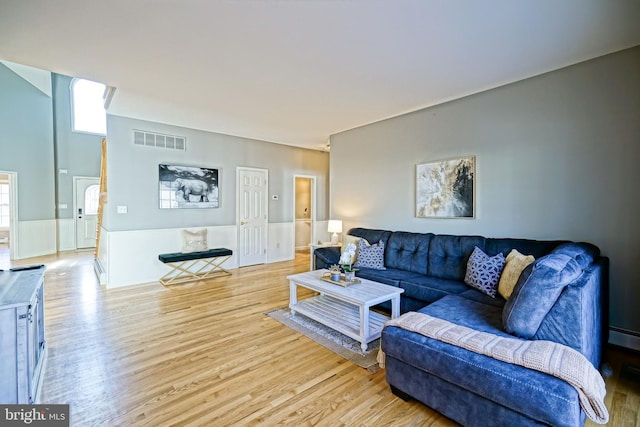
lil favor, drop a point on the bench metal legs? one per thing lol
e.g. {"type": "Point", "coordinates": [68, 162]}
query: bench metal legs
{"type": "Point", "coordinates": [195, 269]}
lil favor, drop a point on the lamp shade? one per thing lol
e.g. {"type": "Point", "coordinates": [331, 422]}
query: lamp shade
{"type": "Point", "coordinates": [335, 226]}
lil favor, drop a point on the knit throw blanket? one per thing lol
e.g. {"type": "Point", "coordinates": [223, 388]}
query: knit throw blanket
{"type": "Point", "coordinates": [545, 356]}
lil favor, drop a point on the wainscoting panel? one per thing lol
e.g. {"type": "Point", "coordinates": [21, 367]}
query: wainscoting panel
{"type": "Point", "coordinates": [35, 238]}
{"type": "Point", "coordinates": [281, 242]}
{"type": "Point", "coordinates": [66, 234]}
{"type": "Point", "coordinates": [131, 257]}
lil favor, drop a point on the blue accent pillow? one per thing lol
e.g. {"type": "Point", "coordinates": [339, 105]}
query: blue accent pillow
{"type": "Point", "coordinates": [370, 256]}
{"type": "Point", "coordinates": [537, 290]}
{"type": "Point", "coordinates": [483, 271]}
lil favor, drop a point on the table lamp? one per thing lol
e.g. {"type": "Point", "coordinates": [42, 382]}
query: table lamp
{"type": "Point", "coordinates": [335, 227]}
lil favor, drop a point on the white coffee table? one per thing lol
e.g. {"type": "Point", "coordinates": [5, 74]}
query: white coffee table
{"type": "Point", "coordinates": [345, 309]}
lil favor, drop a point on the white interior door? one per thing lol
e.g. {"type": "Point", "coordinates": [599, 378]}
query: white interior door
{"type": "Point", "coordinates": [252, 216]}
{"type": "Point", "coordinates": [86, 211]}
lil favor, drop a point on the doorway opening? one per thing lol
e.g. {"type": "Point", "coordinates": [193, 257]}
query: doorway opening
{"type": "Point", "coordinates": [8, 217]}
{"type": "Point", "coordinates": [304, 190]}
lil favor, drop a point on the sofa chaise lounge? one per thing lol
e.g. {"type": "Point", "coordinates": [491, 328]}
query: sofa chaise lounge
{"type": "Point", "coordinates": [561, 297]}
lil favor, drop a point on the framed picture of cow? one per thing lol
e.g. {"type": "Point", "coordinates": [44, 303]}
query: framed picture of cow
{"type": "Point", "coordinates": [188, 187]}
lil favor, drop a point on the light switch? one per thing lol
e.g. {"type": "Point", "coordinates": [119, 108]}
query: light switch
{"type": "Point", "coordinates": [122, 209]}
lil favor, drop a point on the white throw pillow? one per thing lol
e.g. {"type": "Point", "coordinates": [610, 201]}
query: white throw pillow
{"type": "Point", "coordinates": [194, 241]}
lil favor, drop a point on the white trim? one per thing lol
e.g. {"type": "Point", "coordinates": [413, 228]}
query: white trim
{"type": "Point", "coordinates": [72, 108]}
{"type": "Point", "coordinates": [14, 244]}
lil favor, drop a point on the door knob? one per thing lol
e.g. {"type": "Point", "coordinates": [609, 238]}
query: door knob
{"type": "Point", "coordinates": [242, 223]}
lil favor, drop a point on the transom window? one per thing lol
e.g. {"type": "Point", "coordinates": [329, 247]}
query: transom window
{"type": "Point", "coordinates": [87, 104]}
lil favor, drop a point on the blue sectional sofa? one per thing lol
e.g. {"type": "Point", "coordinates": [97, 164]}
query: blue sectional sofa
{"type": "Point", "coordinates": [562, 297]}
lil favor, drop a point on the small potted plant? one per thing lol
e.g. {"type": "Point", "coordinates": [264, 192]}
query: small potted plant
{"type": "Point", "coordinates": [346, 260]}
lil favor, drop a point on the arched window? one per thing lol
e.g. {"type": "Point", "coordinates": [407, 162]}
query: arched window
{"type": "Point", "coordinates": [91, 200]}
{"type": "Point", "coordinates": [87, 104]}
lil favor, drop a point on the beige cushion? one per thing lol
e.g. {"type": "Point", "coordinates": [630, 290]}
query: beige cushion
{"type": "Point", "coordinates": [194, 240]}
{"type": "Point", "coordinates": [516, 262]}
{"type": "Point", "coordinates": [346, 239]}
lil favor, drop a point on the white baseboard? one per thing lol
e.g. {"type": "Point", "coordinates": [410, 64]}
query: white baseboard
{"type": "Point", "coordinates": [624, 338]}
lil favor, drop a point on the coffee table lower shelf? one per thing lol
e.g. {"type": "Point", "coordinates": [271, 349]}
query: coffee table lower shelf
{"type": "Point", "coordinates": [343, 317]}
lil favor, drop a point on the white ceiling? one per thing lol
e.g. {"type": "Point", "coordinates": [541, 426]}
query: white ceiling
{"type": "Point", "coordinates": [295, 72]}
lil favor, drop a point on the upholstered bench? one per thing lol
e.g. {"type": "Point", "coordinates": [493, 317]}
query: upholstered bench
{"type": "Point", "coordinates": [186, 267]}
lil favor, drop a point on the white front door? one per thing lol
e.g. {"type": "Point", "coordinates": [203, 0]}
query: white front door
{"type": "Point", "coordinates": [252, 216]}
{"type": "Point", "coordinates": [86, 211]}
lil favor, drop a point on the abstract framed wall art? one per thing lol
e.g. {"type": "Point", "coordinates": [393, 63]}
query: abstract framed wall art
{"type": "Point", "coordinates": [188, 187]}
{"type": "Point", "coordinates": [446, 188]}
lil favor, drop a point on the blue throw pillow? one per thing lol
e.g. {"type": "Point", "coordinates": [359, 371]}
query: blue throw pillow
{"type": "Point", "coordinates": [370, 256]}
{"type": "Point", "coordinates": [537, 290]}
{"type": "Point", "coordinates": [483, 271]}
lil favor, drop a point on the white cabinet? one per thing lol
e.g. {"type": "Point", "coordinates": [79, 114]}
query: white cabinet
{"type": "Point", "coordinates": [22, 343]}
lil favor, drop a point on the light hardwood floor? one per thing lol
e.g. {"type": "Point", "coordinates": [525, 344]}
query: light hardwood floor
{"type": "Point", "coordinates": [204, 353]}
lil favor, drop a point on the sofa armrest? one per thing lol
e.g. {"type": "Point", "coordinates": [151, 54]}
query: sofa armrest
{"type": "Point", "coordinates": [326, 257]}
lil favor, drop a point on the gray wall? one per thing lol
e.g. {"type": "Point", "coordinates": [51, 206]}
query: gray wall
{"type": "Point", "coordinates": [132, 173]}
{"type": "Point", "coordinates": [26, 144]}
{"type": "Point", "coordinates": [79, 153]}
{"type": "Point", "coordinates": [556, 156]}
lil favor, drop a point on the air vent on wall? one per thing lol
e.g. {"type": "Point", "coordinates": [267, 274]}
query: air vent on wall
{"type": "Point", "coordinates": [158, 140]}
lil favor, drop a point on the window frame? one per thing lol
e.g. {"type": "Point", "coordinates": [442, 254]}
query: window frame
{"type": "Point", "coordinates": [72, 102]}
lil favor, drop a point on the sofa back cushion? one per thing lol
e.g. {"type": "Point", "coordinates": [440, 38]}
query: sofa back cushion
{"type": "Point", "coordinates": [371, 235]}
{"type": "Point", "coordinates": [537, 248]}
{"type": "Point", "coordinates": [448, 255]}
{"type": "Point", "coordinates": [408, 251]}
{"type": "Point", "coordinates": [536, 291]}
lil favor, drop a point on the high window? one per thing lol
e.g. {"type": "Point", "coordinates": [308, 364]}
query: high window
{"type": "Point", "coordinates": [87, 104]}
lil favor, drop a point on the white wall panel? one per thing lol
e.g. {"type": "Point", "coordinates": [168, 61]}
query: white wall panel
{"type": "Point", "coordinates": [66, 234]}
{"type": "Point", "coordinates": [132, 256]}
{"type": "Point", "coordinates": [35, 238]}
{"type": "Point", "coordinates": [281, 242]}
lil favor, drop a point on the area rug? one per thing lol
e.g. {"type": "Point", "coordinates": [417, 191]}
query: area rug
{"type": "Point", "coordinates": [333, 340]}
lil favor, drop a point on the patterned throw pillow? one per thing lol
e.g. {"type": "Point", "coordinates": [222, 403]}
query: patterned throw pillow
{"type": "Point", "coordinates": [483, 271]}
{"type": "Point", "coordinates": [194, 241]}
{"type": "Point", "coordinates": [370, 256]}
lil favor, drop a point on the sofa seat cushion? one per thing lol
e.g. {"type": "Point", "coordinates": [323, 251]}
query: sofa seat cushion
{"type": "Point", "coordinates": [477, 296]}
{"type": "Point", "coordinates": [389, 276]}
{"type": "Point", "coordinates": [468, 312]}
{"type": "Point", "coordinates": [538, 396]}
{"type": "Point", "coordinates": [430, 289]}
